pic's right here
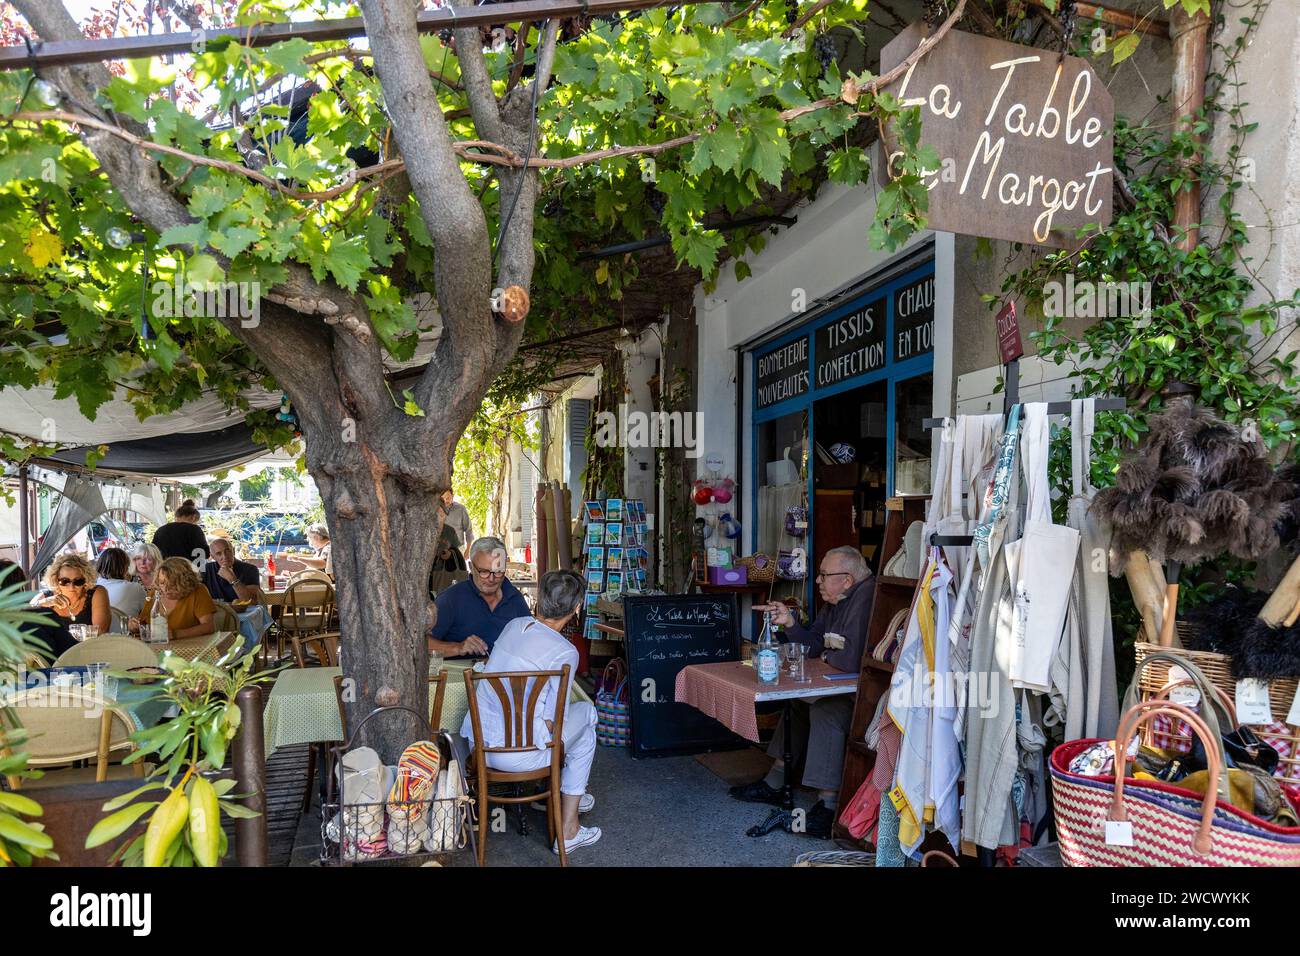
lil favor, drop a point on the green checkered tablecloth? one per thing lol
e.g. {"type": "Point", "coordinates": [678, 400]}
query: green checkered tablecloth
{"type": "Point", "coordinates": [303, 709]}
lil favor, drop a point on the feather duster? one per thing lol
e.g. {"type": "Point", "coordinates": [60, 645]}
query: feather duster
{"type": "Point", "coordinates": [1195, 489]}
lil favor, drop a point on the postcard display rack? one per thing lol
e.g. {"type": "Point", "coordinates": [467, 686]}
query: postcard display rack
{"type": "Point", "coordinates": [617, 561]}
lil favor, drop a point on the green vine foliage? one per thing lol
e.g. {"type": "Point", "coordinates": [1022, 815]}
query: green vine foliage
{"type": "Point", "coordinates": [81, 316]}
{"type": "Point", "coordinates": [1205, 325]}
{"type": "Point", "coordinates": [481, 461]}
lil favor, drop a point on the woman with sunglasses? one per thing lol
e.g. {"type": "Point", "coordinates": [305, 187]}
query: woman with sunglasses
{"type": "Point", "coordinates": [75, 597]}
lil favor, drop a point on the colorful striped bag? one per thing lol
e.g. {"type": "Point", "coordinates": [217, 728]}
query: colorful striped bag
{"type": "Point", "coordinates": [1111, 820]}
{"type": "Point", "coordinates": [613, 720]}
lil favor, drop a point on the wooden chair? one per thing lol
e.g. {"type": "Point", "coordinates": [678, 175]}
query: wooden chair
{"type": "Point", "coordinates": [437, 691]}
{"type": "Point", "coordinates": [324, 648]}
{"type": "Point", "coordinates": [64, 725]}
{"type": "Point", "coordinates": [512, 688]}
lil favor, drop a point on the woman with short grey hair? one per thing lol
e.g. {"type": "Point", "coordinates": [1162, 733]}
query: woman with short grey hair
{"type": "Point", "coordinates": [536, 644]}
{"type": "Point", "coordinates": [558, 594]}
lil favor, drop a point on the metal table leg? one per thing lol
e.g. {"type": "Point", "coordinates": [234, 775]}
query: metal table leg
{"type": "Point", "coordinates": [782, 818]}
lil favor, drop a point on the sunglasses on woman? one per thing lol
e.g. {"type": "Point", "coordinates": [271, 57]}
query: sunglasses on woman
{"type": "Point", "coordinates": [72, 582]}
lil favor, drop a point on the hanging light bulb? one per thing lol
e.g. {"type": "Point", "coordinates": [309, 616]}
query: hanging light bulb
{"type": "Point", "coordinates": [117, 237]}
{"type": "Point", "coordinates": [47, 94]}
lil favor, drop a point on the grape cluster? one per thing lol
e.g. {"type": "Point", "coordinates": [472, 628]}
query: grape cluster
{"type": "Point", "coordinates": [655, 200]}
{"type": "Point", "coordinates": [791, 11]}
{"type": "Point", "coordinates": [555, 208]}
{"type": "Point", "coordinates": [824, 50]}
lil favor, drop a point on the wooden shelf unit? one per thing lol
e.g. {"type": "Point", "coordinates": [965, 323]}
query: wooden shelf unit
{"type": "Point", "coordinates": [893, 594]}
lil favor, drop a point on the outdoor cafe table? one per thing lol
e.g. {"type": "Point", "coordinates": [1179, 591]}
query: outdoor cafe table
{"type": "Point", "coordinates": [729, 691]}
{"type": "Point", "coordinates": [303, 709]}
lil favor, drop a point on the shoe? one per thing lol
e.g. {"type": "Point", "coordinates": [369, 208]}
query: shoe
{"type": "Point", "coordinates": [585, 836]}
{"type": "Point", "coordinates": [585, 805]}
{"type": "Point", "coordinates": [819, 821]}
{"type": "Point", "coordinates": [756, 792]}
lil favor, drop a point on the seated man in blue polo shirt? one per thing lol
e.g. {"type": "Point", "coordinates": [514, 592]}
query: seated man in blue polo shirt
{"type": "Point", "coordinates": [471, 614]}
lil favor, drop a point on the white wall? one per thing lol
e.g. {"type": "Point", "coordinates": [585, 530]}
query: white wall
{"type": "Point", "coordinates": [824, 253]}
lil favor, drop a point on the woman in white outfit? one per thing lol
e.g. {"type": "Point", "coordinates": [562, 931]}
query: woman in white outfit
{"type": "Point", "coordinates": [535, 644]}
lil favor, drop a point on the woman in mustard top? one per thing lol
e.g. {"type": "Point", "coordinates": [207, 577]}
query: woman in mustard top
{"type": "Point", "coordinates": [183, 598]}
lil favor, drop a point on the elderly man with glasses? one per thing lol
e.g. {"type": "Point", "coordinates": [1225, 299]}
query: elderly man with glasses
{"type": "Point", "coordinates": [471, 614]}
{"type": "Point", "coordinates": [821, 726]}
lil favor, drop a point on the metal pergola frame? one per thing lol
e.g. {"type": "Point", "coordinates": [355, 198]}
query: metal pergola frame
{"type": "Point", "coordinates": [71, 52]}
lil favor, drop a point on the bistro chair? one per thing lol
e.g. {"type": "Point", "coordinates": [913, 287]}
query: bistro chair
{"type": "Point", "coordinates": [308, 609]}
{"type": "Point", "coordinates": [224, 618]}
{"type": "Point", "coordinates": [117, 650]}
{"type": "Point", "coordinates": [316, 650]}
{"type": "Point", "coordinates": [64, 725]}
{"type": "Point", "coordinates": [519, 693]}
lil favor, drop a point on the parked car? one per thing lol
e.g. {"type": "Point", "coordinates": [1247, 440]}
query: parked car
{"type": "Point", "coordinates": [266, 533]}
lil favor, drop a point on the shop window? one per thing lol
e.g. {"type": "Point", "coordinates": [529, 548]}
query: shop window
{"type": "Point", "coordinates": [782, 477]}
{"type": "Point", "coordinates": [849, 480]}
{"type": "Point", "coordinates": [912, 401]}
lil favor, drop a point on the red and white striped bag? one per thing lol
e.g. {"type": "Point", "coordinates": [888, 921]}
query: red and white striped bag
{"type": "Point", "coordinates": [1167, 825]}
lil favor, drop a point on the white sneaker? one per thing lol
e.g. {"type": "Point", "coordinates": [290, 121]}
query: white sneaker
{"type": "Point", "coordinates": [585, 805]}
{"type": "Point", "coordinates": [585, 836]}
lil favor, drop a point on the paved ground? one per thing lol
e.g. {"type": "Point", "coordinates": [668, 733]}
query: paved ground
{"type": "Point", "coordinates": [668, 811]}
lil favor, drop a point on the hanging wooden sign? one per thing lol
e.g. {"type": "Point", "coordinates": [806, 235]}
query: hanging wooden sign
{"type": "Point", "coordinates": [1025, 137]}
{"type": "Point", "coordinates": [1009, 344]}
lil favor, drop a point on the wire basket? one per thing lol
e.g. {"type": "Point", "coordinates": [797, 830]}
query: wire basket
{"type": "Point", "coordinates": [438, 829]}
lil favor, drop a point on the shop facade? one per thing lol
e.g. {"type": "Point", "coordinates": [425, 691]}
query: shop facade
{"type": "Point", "coordinates": [834, 353]}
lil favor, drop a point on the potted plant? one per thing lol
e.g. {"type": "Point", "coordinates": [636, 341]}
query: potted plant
{"type": "Point", "coordinates": [184, 801]}
{"type": "Point", "coordinates": [22, 839]}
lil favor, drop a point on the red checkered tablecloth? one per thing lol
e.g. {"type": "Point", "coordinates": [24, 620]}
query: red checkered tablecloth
{"type": "Point", "coordinates": [726, 691]}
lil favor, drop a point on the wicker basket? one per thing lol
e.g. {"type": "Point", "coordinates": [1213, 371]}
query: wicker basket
{"type": "Point", "coordinates": [761, 568]}
{"type": "Point", "coordinates": [1218, 668]}
{"type": "Point", "coordinates": [835, 858]}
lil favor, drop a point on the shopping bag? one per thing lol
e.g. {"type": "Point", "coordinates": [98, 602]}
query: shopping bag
{"type": "Point", "coordinates": [613, 720]}
{"type": "Point", "coordinates": [1111, 820]}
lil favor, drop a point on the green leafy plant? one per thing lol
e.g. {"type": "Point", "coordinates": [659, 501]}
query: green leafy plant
{"type": "Point", "coordinates": [185, 823]}
{"type": "Point", "coordinates": [22, 839]}
{"type": "Point", "coordinates": [1206, 324]}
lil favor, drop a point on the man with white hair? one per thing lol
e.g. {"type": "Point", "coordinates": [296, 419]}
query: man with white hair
{"type": "Point", "coordinates": [471, 614]}
{"type": "Point", "coordinates": [821, 726]}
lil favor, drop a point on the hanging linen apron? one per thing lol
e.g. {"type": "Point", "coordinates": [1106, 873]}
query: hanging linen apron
{"type": "Point", "coordinates": [1084, 694]}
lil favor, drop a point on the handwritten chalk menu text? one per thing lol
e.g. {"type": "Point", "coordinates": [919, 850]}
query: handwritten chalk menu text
{"type": "Point", "coordinates": [914, 319]}
{"type": "Point", "coordinates": [782, 372]}
{"type": "Point", "coordinates": [665, 633]}
{"type": "Point", "coordinates": [1025, 137]}
{"type": "Point", "coordinates": [851, 345]}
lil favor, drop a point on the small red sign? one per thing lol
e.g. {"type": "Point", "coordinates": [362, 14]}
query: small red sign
{"type": "Point", "coordinates": [1009, 344]}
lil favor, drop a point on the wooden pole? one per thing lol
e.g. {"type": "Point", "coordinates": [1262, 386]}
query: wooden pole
{"type": "Point", "coordinates": [24, 529]}
{"type": "Point", "coordinates": [1190, 36]}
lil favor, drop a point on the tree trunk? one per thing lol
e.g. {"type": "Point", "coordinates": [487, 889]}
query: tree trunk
{"type": "Point", "coordinates": [383, 533]}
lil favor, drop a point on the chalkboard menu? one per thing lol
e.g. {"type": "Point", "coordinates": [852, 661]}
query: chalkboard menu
{"type": "Point", "coordinates": [782, 372]}
{"type": "Point", "coordinates": [852, 345]}
{"type": "Point", "coordinates": [664, 633]}
{"type": "Point", "coordinates": [914, 319]}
